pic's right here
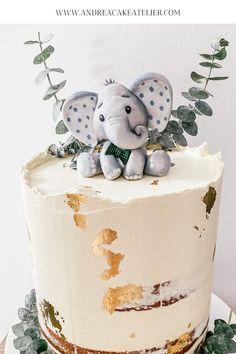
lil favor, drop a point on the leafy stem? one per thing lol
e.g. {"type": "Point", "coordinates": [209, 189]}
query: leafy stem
{"type": "Point", "coordinates": [45, 65]}
{"type": "Point", "coordinates": [209, 75]}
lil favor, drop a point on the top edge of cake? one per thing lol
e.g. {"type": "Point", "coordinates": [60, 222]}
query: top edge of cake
{"type": "Point", "coordinates": [194, 168]}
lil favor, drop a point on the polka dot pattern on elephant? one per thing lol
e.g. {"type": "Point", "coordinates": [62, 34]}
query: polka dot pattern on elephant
{"type": "Point", "coordinates": [77, 112]}
{"type": "Point", "coordinates": [156, 94]}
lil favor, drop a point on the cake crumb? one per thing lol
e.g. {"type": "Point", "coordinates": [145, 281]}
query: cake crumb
{"type": "Point", "coordinates": [155, 182]}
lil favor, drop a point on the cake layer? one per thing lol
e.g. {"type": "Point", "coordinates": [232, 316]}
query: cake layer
{"type": "Point", "coordinates": [123, 265]}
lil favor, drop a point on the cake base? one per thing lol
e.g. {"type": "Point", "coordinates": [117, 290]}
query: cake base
{"type": "Point", "coordinates": [219, 309]}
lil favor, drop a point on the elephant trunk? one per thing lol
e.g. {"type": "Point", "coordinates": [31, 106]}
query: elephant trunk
{"type": "Point", "coordinates": [119, 133]}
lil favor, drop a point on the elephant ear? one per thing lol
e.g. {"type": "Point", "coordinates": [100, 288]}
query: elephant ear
{"type": "Point", "coordinates": [155, 91]}
{"type": "Point", "coordinates": [78, 114]}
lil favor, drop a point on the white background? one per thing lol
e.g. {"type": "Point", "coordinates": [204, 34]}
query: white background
{"type": "Point", "coordinates": [89, 54]}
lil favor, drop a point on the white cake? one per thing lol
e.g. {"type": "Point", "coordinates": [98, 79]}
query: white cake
{"type": "Point", "coordinates": [123, 266]}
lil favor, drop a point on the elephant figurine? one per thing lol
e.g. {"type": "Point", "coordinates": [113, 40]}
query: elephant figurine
{"type": "Point", "coordinates": [121, 119]}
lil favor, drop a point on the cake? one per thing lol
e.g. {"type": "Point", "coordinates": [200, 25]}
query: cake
{"type": "Point", "coordinates": [120, 266]}
{"type": "Point", "coordinates": [123, 235]}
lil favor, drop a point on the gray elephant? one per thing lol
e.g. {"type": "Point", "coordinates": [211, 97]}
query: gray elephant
{"type": "Point", "coordinates": [121, 119]}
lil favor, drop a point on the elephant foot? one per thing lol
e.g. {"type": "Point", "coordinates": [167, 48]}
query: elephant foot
{"type": "Point", "coordinates": [133, 177]}
{"type": "Point", "coordinates": [112, 174]}
{"type": "Point", "coordinates": [88, 164]}
{"type": "Point", "coordinates": [158, 163]}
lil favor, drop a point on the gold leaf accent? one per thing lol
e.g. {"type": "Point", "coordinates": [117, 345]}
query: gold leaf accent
{"type": "Point", "coordinates": [116, 297]}
{"type": "Point", "coordinates": [155, 182]}
{"type": "Point", "coordinates": [196, 227]}
{"type": "Point", "coordinates": [107, 236]}
{"type": "Point", "coordinates": [179, 344]}
{"type": "Point", "coordinates": [74, 201]}
{"type": "Point", "coordinates": [209, 199]}
{"type": "Point", "coordinates": [132, 335]}
{"type": "Point", "coordinates": [48, 313]}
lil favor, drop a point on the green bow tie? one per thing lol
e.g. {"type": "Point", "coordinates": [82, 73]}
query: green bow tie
{"type": "Point", "coordinates": [122, 154]}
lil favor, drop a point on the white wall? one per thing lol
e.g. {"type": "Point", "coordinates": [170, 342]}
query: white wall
{"type": "Point", "coordinates": [90, 54]}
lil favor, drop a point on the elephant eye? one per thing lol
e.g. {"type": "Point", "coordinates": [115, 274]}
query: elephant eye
{"type": "Point", "coordinates": [101, 117]}
{"type": "Point", "coordinates": [128, 109]}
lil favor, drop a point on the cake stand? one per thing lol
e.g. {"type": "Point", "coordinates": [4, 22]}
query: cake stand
{"type": "Point", "coordinates": [219, 309]}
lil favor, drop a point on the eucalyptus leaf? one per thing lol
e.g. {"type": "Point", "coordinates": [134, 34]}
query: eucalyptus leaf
{"type": "Point", "coordinates": [167, 141]}
{"type": "Point", "coordinates": [33, 332]}
{"type": "Point", "coordinates": [210, 65]}
{"type": "Point", "coordinates": [207, 56]}
{"type": "Point", "coordinates": [21, 343]}
{"type": "Point", "coordinates": [197, 112]}
{"type": "Point", "coordinates": [52, 90]}
{"type": "Point", "coordinates": [233, 326]}
{"type": "Point", "coordinates": [174, 113]}
{"type": "Point", "coordinates": [185, 114]}
{"type": "Point", "coordinates": [19, 329]}
{"type": "Point", "coordinates": [231, 346]}
{"type": "Point", "coordinates": [188, 96]}
{"type": "Point", "coordinates": [198, 93]}
{"type": "Point", "coordinates": [174, 127]}
{"type": "Point", "coordinates": [197, 77]}
{"type": "Point", "coordinates": [31, 42]}
{"type": "Point", "coordinates": [57, 108]}
{"type": "Point", "coordinates": [180, 139]}
{"type": "Point", "coordinates": [218, 78]}
{"type": "Point", "coordinates": [38, 345]}
{"type": "Point", "coordinates": [41, 76]}
{"type": "Point", "coordinates": [221, 54]}
{"type": "Point", "coordinates": [190, 127]}
{"type": "Point", "coordinates": [48, 38]}
{"type": "Point", "coordinates": [57, 70]}
{"type": "Point", "coordinates": [22, 313]}
{"type": "Point", "coordinates": [61, 128]}
{"type": "Point", "coordinates": [204, 108]}
{"type": "Point", "coordinates": [44, 55]}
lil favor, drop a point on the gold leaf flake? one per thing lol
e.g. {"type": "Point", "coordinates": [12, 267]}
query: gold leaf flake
{"type": "Point", "coordinates": [121, 295]}
{"type": "Point", "coordinates": [196, 227]}
{"type": "Point", "coordinates": [107, 236]}
{"type": "Point", "coordinates": [49, 314]}
{"type": "Point", "coordinates": [179, 344]}
{"type": "Point", "coordinates": [74, 201]}
{"type": "Point", "coordinates": [132, 335]}
{"type": "Point", "coordinates": [209, 199]}
{"type": "Point", "coordinates": [155, 182]}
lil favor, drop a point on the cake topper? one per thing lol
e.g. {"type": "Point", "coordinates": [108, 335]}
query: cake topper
{"type": "Point", "coordinates": [123, 123]}
{"type": "Point", "coordinates": [121, 118]}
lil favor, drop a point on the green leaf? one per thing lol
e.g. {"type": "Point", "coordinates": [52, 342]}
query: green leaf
{"type": "Point", "coordinates": [33, 332]}
{"type": "Point", "coordinates": [57, 106]}
{"type": "Point", "coordinates": [218, 78]}
{"type": "Point", "coordinates": [221, 54]}
{"type": "Point", "coordinates": [197, 77]}
{"type": "Point", "coordinates": [38, 345]}
{"type": "Point", "coordinates": [190, 127]}
{"type": "Point", "coordinates": [19, 329]}
{"type": "Point", "coordinates": [198, 93]}
{"type": "Point", "coordinates": [216, 344]}
{"type": "Point", "coordinates": [231, 345]}
{"type": "Point", "coordinates": [224, 42]}
{"type": "Point", "coordinates": [44, 55]}
{"type": "Point", "coordinates": [188, 96]}
{"type": "Point", "coordinates": [204, 108]}
{"type": "Point", "coordinates": [180, 139]}
{"type": "Point", "coordinates": [185, 114]}
{"type": "Point", "coordinates": [21, 343]}
{"type": "Point", "coordinates": [233, 326]}
{"type": "Point", "coordinates": [174, 127]}
{"type": "Point", "coordinates": [174, 113]}
{"type": "Point", "coordinates": [197, 112]}
{"type": "Point", "coordinates": [210, 65]}
{"type": "Point", "coordinates": [52, 90]}
{"type": "Point", "coordinates": [57, 70]}
{"type": "Point", "coordinates": [43, 74]}
{"type": "Point", "coordinates": [61, 128]}
{"type": "Point", "coordinates": [207, 56]}
{"type": "Point", "coordinates": [221, 327]}
{"type": "Point", "coordinates": [31, 42]}
{"type": "Point", "coordinates": [167, 141]}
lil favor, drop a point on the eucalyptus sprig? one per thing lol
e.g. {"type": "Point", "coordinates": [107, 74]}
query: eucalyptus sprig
{"type": "Point", "coordinates": [219, 341]}
{"type": "Point", "coordinates": [185, 115]}
{"type": "Point", "coordinates": [53, 89]}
